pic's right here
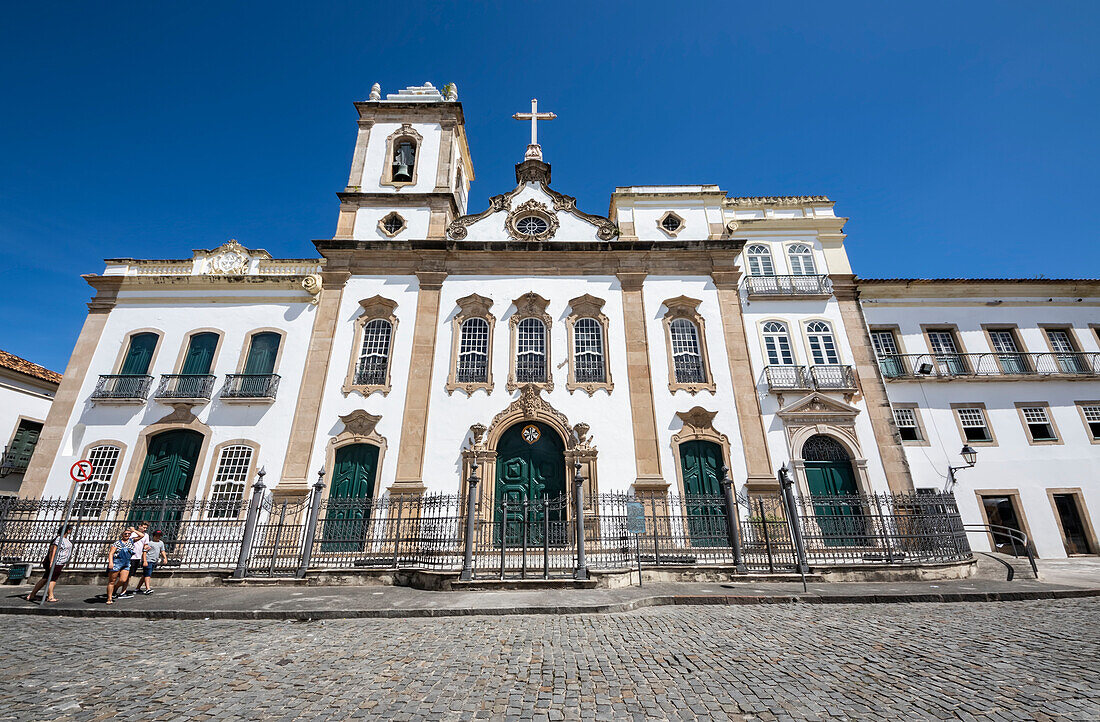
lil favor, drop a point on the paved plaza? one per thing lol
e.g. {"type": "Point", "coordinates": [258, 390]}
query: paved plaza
{"type": "Point", "coordinates": [985, 661]}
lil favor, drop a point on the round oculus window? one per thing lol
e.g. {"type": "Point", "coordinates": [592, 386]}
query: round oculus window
{"type": "Point", "coordinates": [532, 225]}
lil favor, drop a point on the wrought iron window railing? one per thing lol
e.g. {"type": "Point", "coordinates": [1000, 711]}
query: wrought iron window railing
{"type": "Point", "coordinates": [122, 387]}
{"type": "Point", "coordinates": [185, 386]}
{"type": "Point", "coordinates": [963, 365]}
{"type": "Point", "coordinates": [371, 371]}
{"type": "Point", "coordinates": [827, 377]}
{"type": "Point", "coordinates": [12, 463]}
{"type": "Point", "coordinates": [818, 285]}
{"type": "Point", "coordinates": [251, 386]}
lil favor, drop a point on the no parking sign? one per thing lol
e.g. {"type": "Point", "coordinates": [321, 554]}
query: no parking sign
{"type": "Point", "coordinates": [81, 471]}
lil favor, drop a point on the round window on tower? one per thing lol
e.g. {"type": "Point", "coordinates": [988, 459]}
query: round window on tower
{"type": "Point", "coordinates": [532, 226]}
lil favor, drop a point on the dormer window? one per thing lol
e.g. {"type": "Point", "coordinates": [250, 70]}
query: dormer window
{"type": "Point", "coordinates": [404, 160]}
{"type": "Point", "coordinates": [671, 223]}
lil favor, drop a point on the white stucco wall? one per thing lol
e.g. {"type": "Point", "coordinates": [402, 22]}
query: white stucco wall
{"type": "Point", "coordinates": [427, 158]}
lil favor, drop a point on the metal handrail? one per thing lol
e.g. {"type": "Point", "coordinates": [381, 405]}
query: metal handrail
{"type": "Point", "coordinates": [789, 285]}
{"type": "Point", "coordinates": [782, 377]}
{"type": "Point", "coordinates": [251, 386]}
{"type": "Point", "coordinates": [954, 365]}
{"type": "Point", "coordinates": [832, 376]}
{"type": "Point", "coordinates": [824, 377]}
{"type": "Point", "coordinates": [185, 386]}
{"type": "Point", "coordinates": [1014, 535]}
{"type": "Point", "coordinates": [122, 386]}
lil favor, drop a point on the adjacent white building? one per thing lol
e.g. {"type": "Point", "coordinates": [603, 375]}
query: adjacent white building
{"type": "Point", "coordinates": [26, 392]}
{"type": "Point", "coordinates": [685, 331]}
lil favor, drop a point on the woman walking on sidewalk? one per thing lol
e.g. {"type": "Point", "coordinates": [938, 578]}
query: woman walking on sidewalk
{"type": "Point", "coordinates": [61, 550]}
{"type": "Point", "coordinates": [118, 563]}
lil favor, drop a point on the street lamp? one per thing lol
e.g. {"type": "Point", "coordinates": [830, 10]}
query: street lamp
{"type": "Point", "coordinates": [970, 456]}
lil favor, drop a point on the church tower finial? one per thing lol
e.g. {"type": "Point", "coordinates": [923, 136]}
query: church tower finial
{"type": "Point", "coordinates": [534, 150]}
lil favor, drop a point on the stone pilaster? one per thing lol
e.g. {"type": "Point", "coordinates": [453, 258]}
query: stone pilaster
{"type": "Point", "coordinates": [61, 410]}
{"type": "Point", "coordinates": [750, 419]}
{"type": "Point", "coordinates": [359, 157]}
{"type": "Point", "coordinates": [639, 378]}
{"type": "Point", "coordinates": [414, 420]}
{"type": "Point", "coordinates": [296, 477]}
{"type": "Point", "coordinates": [894, 463]}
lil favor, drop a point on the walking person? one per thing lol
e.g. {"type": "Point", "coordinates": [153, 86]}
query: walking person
{"type": "Point", "coordinates": [152, 554]}
{"type": "Point", "coordinates": [58, 555]}
{"type": "Point", "coordinates": [119, 555]}
{"type": "Point", "coordinates": [139, 537]}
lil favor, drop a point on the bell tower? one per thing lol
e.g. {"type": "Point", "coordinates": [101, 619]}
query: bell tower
{"type": "Point", "coordinates": [411, 170]}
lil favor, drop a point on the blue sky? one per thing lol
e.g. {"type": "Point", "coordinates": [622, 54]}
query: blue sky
{"type": "Point", "coordinates": [960, 138]}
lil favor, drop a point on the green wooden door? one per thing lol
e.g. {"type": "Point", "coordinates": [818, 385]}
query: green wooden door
{"type": "Point", "coordinates": [350, 498]}
{"type": "Point", "coordinates": [701, 464]}
{"type": "Point", "coordinates": [200, 354]}
{"type": "Point", "coordinates": [530, 467]}
{"type": "Point", "coordinates": [166, 480]}
{"type": "Point", "coordinates": [22, 445]}
{"type": "Point", "coordinates": [139, 355]}
{"type": "Point", "coordinates": [261, 353]}
{"type": "Point", "coordinates": [840, 518]}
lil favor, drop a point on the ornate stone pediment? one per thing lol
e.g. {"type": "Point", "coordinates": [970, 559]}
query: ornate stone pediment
{"type": "Point", "coordinates": [360, 423]}
{"type": "Point", "coordinates": [698, 418]}
{"type": "Point", "coordinates": [475, 305]}
{"type": "Point", "coordinates": [229, 259]}
{"type": "Point", "coordinates": [586, 305]}
{"type": "Point", "coordinates": [378, 307]}
{"type": "Point", "coordinates": [683, 307]}
{"type": "Point", "coordinates": [530, 304]}
{"type": "Point", "coordinates": [531, 405]}
{"type": "Point", "coordinates": [817, 408]}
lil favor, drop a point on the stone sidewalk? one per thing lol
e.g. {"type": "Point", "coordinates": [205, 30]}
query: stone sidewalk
{"type": "Point", "coordinates": [1060, 579]}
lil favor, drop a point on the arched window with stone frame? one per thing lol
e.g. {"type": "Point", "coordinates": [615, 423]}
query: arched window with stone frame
{"type": "Point", "coordinates": [402, 157]}
{"type": "Point", "coordinates": [589, 368]}
{"type": "Point", "coordinates": [777, 344]}
{"type": "Point", "coordinates": [472, 346]}
{"type": "Point", "coordinates": [821, 344]}
{"type": "Point", "coordinates": [801, 259]}
{"type": "Point", "coordinates": [370, 364]}
{"type": "Point", "coordinates": [758, 260]}
{"type": "Point", "coordinates": [688, 362]}
{"type": "Point", "coordinates": [229, 485]}
{"type": "Point", "coordinates": [530, 357]}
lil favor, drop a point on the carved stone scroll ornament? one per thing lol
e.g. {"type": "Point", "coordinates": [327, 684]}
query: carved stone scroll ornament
{"type": "Point", "coordinates": [230, 259]}
{"type": "Point", "coordinates": [531, 406]}
{"type": "Point", "coordinates": [458, 227]}
{"type": "Point", "coordinates": [360, 423]}
{"type": "Point", "coordinates": [312, 285]}
{"type": "Point", "coordinates": [698, 418]}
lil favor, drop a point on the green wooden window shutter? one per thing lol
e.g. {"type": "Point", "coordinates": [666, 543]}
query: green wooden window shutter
{"type": "Point", "coordinates": [262, 353]}
{"type": "Point", "coordinates": [200, 354]}
{"type": "Point", "coordinates": [139, 355]}
{"type": "Point", "coordinates": [22, 445]}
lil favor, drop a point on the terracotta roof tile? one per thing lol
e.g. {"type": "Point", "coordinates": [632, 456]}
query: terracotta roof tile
{"type": "Point", "coordinates": [21, 365]}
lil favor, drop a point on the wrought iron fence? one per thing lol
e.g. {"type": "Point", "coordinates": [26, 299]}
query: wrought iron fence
{"type": "Point", "coordinates": [511, 537]}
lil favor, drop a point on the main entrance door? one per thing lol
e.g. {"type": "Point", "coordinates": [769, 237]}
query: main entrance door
{"type": "Point", "coordinates": [530, 467]}
{"type": "Point", "coordinates": [166, 477]}
{"type": "Point", "coordinates": [701, 464]}
{"type": "Point", "coordinates": [832, 486]}
{"type": "Point", "coordinates": [348, 509]}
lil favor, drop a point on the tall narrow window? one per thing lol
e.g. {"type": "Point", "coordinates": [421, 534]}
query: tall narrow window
{"type": "Point", "coordinates": [473, 352]}
{"type": "Point", "coordinates": [139, 355]}
{"type": "Point", "coordinates": [402, 149]}
{"type": "Point", "coordinates": [1066, 356]}
{"type": "Point", "coordinates": [686, 357]}
{"type": "Point", "coordinates": [1008, 353]}
{"type": "Point", "coordinates": [92, 494]}
{"type": "Point", "coordinates": [404, 160]}
{"type": "Point", "coordinates": [227, 491]}
{"type": "Point", "coordinates": [949, 362]}
{"type": "Point", "coordinates": [777, 344]}
{"type": "Point", "coordinates": [802, 260]}
{"type": "Point", "coordinates": [530, 351]}
{"type": "Point", "coordinates": [200, 354]}
{"type": "Point", "coordinates": [262, 352]}
{"type": "Point", "coordinates": [886, 349]}
{"type": "Point", "coordinates": [759, 260]}
{"type": "Point", "coordinates": [374, 354]}
{"type": "Point", "coordinates": [822, 344]}
{"type": "Point", "coordinates": [17, 456]}
{"type": "Point", "coordinates": [588, 351]}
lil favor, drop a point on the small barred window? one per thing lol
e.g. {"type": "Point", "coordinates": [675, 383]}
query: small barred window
{"type": "Point", "coordinates": [671, 224]}
{"type": "Point", "coordinates": [227, 493]}
{"type": "Point", "coordinates": [687, 359]}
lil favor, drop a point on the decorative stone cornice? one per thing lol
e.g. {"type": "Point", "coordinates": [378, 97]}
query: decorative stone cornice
{"type": "Point", "coordinates": [776, 200]}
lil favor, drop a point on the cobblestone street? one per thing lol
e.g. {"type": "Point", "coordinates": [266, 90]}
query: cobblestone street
{"type": "Point", "coordinates": [996, 661]}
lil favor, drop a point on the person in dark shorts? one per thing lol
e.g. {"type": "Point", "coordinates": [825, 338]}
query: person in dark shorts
{"type": "Point", "coordinates": [119, 555]}
{"type": "Point", "coordinates": [152, 554]}
{"type": "Point", "coordinates": [60, 551]}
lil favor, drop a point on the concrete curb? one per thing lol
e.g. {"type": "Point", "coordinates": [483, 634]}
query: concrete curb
{"type": "Point", "coordinates": [558, 609]}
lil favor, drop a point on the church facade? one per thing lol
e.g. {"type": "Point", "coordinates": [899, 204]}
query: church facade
{"type": "Point", "coordinates": [684, 331]}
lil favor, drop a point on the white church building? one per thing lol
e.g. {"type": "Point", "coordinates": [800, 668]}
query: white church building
{"type": "Point", "coordinates": [684, 331]}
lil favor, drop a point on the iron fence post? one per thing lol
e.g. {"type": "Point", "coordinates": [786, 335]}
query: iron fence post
{"type": "Point", "coordinates": [471, 527]}
{"type": "Point", "coordinates": [545, 537]}
{"type": "Point", "coordinates": [793, 519]}
{"type": "Point", "coordinates": [503, 530]}
{"type": "Point", "coordinates": [578, 500]}
{"type": "Point", "coordinates": [254, 504]}
{"type": "Point", "coordinates": [885, 531]}
{"type": "Point", "coordinates": [311, 523]}
{"type": "Point", "coordinates": [731, 521]}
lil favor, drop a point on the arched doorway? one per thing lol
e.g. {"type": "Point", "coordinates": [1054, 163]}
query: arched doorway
{"type": "Point", "coordinates": [169, 465]}
{"type": "Point", "coordinates": [701, 464]}
{"type": "Point", "coordinates": [350, 498]}
{"type": "Point", "coordinates": [530, 466]}
{"type": "Point", "coordinates": [831, 482]}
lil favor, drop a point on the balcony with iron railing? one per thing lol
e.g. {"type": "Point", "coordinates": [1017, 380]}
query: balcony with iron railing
{"type": "Point", "coordinates": [13, 462]}
{"type": "Point", "coordinates": [250, 388]}
{"type": "Point", "coordinates": [122, 389]}
{"type": "Point", "coordinates": [824, 377]}
{"type": "Point", "coordinates": [193, 388]}
{"type": "Point", "coordinates": [788, 286]}
{"type": "Point", "coordinates": [990, 366]}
